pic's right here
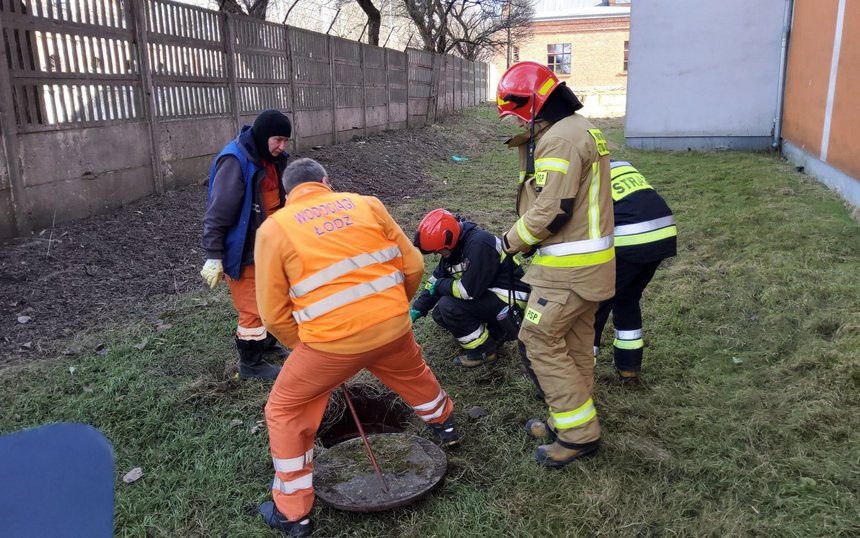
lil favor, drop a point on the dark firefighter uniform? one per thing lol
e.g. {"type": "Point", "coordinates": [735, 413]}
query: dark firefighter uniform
{"type": "Point", "coordinates": [645, 235]}
{"type": "Point", "coordinates": [470, 288]}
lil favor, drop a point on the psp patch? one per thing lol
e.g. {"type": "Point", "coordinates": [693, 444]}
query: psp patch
{"type": "Point", "coordinates": [540, 179]}
{"type": "Point", "coordinates": [533, 316]}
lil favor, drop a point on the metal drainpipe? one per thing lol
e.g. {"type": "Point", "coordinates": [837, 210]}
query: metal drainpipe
{"type": "Point", "coordinates": [783, 61]}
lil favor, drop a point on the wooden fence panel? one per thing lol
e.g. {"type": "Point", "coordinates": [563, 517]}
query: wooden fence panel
{"type": "Point", "coordinates": [398, 82]}
{"type": "Point", "coordinates": [71, 64]}
{"type": "Point", "coordinates": [375, 87]}
{"type": "Point", "coordinates": [170, 82]}
{"type": "Point", "coordinates": [187, 60]}
{"type": "Point", "coordinates": [262, 66]}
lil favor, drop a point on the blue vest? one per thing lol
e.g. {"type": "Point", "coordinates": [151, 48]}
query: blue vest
{"type": "Point", "coordinates": [234, 240]}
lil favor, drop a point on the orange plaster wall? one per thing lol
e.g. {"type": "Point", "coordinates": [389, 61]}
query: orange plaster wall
{"type": "Point", "coordinates": [810, 54]}
{"type": "Point", "coordinates": [843, 152]}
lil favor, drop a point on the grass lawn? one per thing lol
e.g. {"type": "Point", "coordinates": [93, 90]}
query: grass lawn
{"type": "Point", "coordinates": [746, 424]}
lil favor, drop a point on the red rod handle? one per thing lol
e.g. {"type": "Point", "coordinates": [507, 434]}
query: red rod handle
{"type": "Point", "coordinates": [363, 437]}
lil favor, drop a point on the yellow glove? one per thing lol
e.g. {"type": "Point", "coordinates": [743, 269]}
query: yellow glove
{"type": "Point", "coordinates": [212, 272]}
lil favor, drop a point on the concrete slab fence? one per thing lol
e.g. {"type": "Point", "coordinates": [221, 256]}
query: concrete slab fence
{"type": "Point", "coordinates": [105, 101]}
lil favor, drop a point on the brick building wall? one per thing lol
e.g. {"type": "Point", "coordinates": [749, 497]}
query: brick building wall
{"type": "Point", "coordinates": [597, 72]}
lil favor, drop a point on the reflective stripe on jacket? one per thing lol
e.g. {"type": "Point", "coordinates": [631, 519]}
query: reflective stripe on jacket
{"type": "Point", "coordinates": [565, 209]}
{"type": "Point", "coordinates": [645, 229]}
{"type": "Point", "coordinates": [351, 275]}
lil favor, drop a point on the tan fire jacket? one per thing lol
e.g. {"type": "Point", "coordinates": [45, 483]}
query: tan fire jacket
{"type": "Point", "coordinates": [565, 209]}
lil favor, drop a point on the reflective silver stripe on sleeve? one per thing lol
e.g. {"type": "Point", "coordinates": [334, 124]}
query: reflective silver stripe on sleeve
{"type": "Point", "coordinates": [616, 164]}
{"type": "Point", "coordinates": [647, 226]}
{"type": "Point", "coordinates": [577, 247]}
{"type": "Point", "coordinates": [347, 296]}
{"type": "Point", "coordinates": [628, 335]}
{"type": "Point", "coordinates": [324, 276]}
{"type": "Point", "coordinates": [499, 245]}
{"type": "Point", "coordinates": [462, 289]}
{"type": "Point", "coordinates": [459, 268]}
{"type": "Point", "coordinates": [518, 295]}
{"type": "Point", "coordinates": [291, 486]}
{"type": "Point", "coordinates": [287, 465]}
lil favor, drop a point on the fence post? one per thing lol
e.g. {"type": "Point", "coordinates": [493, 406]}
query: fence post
{"type": "Point", "coordinates": [147, 97]}
{"type": "Point", "coordinates": [387, 91]}
{"type": "Point", "coordinates": [292, 66]}
{"type": "Point", "coordinates": [9, 134]}
{"type": "Point", "coordinates": [432, 93]}
{"type": "Point", "coordinates": [230, 64]}
{"type": "Point", "coordinates": [362, 61]}
{"type": "Point", "coordinates": [332, 72]}
{"type": "Point", "coordinates": [407, 86]}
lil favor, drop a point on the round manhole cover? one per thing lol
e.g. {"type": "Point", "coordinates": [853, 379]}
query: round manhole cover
{"type": "Point", "coordinates": [412, 467]}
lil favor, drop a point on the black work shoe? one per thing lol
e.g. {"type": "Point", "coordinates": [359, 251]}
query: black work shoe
{"type": "Point", "coordinates": [447, 432]}
{"type": "Point", "coordinates": [471, 360]}
{"type": "Point", "coordinates": [271, 346]}
{"type": "Point", "coordinates": [259, 370]}
{"type": "Point", "coordinates": [557, 455]}
{"type": "Point", "coordinates": [627, 376]}
{"type": "Point", "coordinates": [279, 521]}
{"type": "Point", "coordinates": [251, 363]}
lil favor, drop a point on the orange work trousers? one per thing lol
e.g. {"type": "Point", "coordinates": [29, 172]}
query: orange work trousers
{"type": "Point", "coordinates": [244, 293]}
{"type": "Point", "coordinates": [244, 289]}
{"type": "Point", "coordinates": [299, 397]}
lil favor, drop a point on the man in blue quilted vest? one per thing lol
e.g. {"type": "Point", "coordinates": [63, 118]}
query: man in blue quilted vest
{"type": "Point", "coordinates": [244, 189]}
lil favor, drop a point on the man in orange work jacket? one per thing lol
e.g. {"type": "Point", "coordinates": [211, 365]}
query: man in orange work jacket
{"type": "Point", "coordinates": [334, 277]}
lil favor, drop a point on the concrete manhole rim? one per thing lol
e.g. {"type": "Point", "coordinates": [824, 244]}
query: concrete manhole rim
{"type": "Point", "coordinates": [328, 496]}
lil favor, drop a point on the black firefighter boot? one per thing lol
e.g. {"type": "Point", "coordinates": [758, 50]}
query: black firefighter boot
{"type": "Point", "coordinates": [271, 346]}
{"type": "Point", "coordinates": [251, 363]}
{"type": "Point", "coordinates": [483, 354]}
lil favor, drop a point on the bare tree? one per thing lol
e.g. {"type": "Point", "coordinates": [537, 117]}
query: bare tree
{"type": "Point", "coordinates": [473, 28]}
{"type": "Point", "coordinates": [374, 20]}
{"type": "Point", "coordinates": [431, 19]}
{"type": "Point", "coordinates": [253, 8]}
{"type": "Point", "coordinates": [480, 28]}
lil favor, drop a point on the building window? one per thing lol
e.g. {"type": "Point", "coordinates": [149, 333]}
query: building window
{"type": "Point", "coordinates": [558, 58]}
{"type": "Point", "coordinates": [626, 54]}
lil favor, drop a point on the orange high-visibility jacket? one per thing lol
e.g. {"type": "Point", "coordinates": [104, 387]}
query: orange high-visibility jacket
{"type": "Point", "coordinates": [331, 265]}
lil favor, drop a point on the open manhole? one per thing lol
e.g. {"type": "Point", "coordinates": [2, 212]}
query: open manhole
{"type": "Point", "coordinates": [411, 466]}
{"type": "Point", "coordinates": [378, 409]}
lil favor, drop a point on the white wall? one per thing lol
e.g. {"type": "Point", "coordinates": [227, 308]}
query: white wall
{"type": "Point", "coordinates": [703, 74]}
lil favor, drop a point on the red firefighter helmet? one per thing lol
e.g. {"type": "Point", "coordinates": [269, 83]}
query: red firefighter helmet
{"type": "Point", "coordinates": [522, 83]}
{"type": "Point", "coordinates": [439, 229]}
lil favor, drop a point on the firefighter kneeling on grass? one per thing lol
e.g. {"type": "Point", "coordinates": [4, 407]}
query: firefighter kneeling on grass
{"type": "Point", "coordinates": [334, 274]}
{"type": "Point", "coordinates": [565, 207]}
{"type": "Point", "coordinates": [471, 286]}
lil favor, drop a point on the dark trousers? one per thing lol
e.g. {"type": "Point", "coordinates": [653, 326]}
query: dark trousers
{"type": "Point", "coordinates": [630, 281]}
{"type": "Point", "coordinates": [464, 318]}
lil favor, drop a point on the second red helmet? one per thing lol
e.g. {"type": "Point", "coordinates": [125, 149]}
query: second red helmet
{"type": "Point", "coordinates": [439, 229]}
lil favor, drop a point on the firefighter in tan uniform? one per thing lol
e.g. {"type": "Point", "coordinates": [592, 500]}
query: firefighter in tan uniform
{"type": "Point", "coordinates": [566, 222]}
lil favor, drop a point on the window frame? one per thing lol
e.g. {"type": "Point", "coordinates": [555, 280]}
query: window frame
{"type": "Point", "coordinates": [555, 58]}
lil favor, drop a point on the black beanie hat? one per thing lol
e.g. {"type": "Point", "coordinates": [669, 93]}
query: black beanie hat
{"type": "Point", "coordinates": [268, 124]}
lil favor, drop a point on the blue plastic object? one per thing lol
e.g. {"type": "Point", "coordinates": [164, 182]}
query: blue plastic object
{"type": "Point", "coordinates": [56, 481]}
{"type": "Point", "coordinates": [458, 159]}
